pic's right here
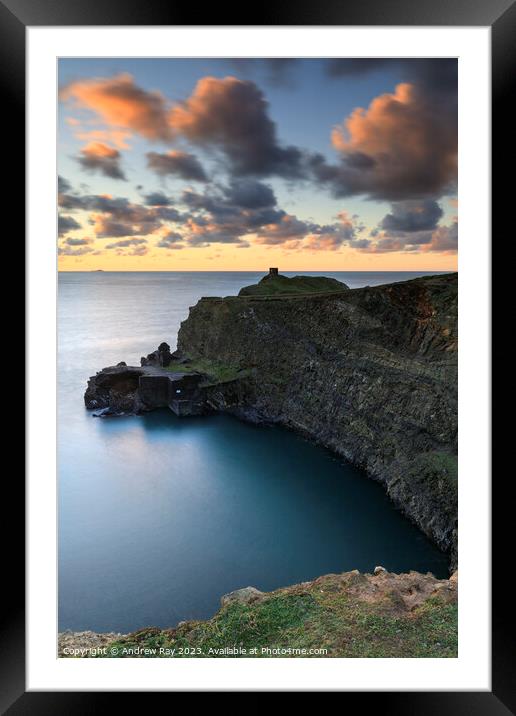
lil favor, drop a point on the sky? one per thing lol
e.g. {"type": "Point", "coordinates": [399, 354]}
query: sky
{"type": "Point", "coordinates": [242, 164]}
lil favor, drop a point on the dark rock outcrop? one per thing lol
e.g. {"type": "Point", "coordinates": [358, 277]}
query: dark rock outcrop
{"type": "Point", "coordinates": [115, 387]}
{"type": "Point", "coordinates": [122, 389]}
{"type": "Point", "coordinates": [160, 357]}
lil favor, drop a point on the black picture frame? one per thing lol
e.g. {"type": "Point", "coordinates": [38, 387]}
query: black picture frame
{"type": "Point", "coordinates": [500, 16]}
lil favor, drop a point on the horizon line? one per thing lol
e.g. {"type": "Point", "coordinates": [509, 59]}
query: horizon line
{"type": "Point", "coordinates": [253, 270]}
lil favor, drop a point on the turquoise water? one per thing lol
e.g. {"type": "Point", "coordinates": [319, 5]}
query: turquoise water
{"type": "Point", "coordinates": [160, 516]}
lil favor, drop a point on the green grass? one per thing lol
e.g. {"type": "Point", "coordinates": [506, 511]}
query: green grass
{"type": "Point", "coordinates": [321, 616]}
{"type": "Point", "coordinates": [444, 462]}
{"type": "Point", "coordinates": [215, 371]}
{"type": "Point", "coordinates": [282, 285]}
{"type": "Point", "coordinates": [437, 468]}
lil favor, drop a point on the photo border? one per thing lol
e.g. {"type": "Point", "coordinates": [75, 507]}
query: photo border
{"type": "Point", "coordinates": [500, 15]}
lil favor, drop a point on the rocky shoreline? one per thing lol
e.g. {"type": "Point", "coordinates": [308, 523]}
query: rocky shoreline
{"type": "Point", "coordinates": [370, 373]}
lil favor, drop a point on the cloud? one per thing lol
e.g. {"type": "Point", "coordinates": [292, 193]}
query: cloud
{"type": "Point", "coordinates": [199, 233]}
{"type": "Point", "coordinates": [279, 70]}
{"type": "Point", "coordinates": [232, 115]}
{"type": "Point", "coordinates": [245, 203]}
{"type": "Point", "coordinates": [168, 213]}
{"type": "Point", "coordinates": [118, 137]}
{"type": "Point", "coordinates": [288, 227]}
{"type": "Point", "coordinates": [130, 247]}
{"type": "Point", "coordinates": [246, 212]}
{"type": "Point", "coordinates": [412, 215]}
{"type": "Point", "coordinates": [173, 240]}
{"type": "Point", "coordinates": [156, 198]}
{"type": "Point", "coordinates": [71, 241]}
{"type": "Point", "coordinates": [329, 242]}
{"type": "Point", "coordinates": [250, 194]}
{"type": "Point", "coordinates": [437, 75]}
{"type": "Point", "coordinates": [295, 234]}
{"type": "Point", "coordinates": [276, 70]}
{"type": "Point", "coordinates": [117, 217]}
{"type": "Point", "coordinates": [183, 164]}
{"type": "Point", "coordinates": [229, 115]}
{"type": "Point", "coordinates": [121, 103]}
{"type": "Point", "coordinates": [99, 157]}
{"type": "Point", "coordinates": [443, 239]}
{"type": "Point", "coordinates": [413, 226]}
{"type": "Point", "coordinates": [125, 243]}
{"type": "Point", "coordinates": [70, 251]}
{"type": "Point", "coordinates": [138, 251]}
{"type": "Point", "coordinates": [225, 214]}
{"type": "Point", "coordinates": [63, 184]}
{"type": "Point", "coordinates": [238, 195]}
{"type": "Point", "coordinates": [66, 224]}
{"type": "Point", "coordinates": [403, 146]}
{"type": "Point", "coordinates": [106, 227]}
{"type": "Point", "coordinates": [358, 66]}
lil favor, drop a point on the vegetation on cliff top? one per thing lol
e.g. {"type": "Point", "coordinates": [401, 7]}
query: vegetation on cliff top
{"type": "Point", "coordinates": [215, 372]}
{"type": "Point", "coordinates": [275, 285]}
{"type": "Point", "coordinates": [346, 615]}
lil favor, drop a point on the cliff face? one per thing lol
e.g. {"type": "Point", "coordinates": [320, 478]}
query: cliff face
{"type": "Point", "coordinates": [370, 373]}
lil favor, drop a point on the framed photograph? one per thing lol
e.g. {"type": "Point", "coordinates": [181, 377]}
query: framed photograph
{"type": "Point", "coordinates": [258, 360]}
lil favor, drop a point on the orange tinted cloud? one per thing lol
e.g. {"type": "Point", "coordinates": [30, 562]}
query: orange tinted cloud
{"type": "Point", "coordinates": [404, 145]}
{"type": "Point", "coordinates": [121, 103]}
{"type": "Point", "coordinates": [97, 156]}
{"type": "Point", "coordinates": [118, 137]}
{"type": "Point", "coordinates": [287, 228]}
{"type": "Point", "coordinates": [97, 149]}
{"type": "Point", "coordinates": [367, 130]}
{"type": "Point", "coordinates": [293, 233]}
{"type": "Point", "coordinates": [313, 242]}
{"type": "Point", "coordinates": [444, 239]}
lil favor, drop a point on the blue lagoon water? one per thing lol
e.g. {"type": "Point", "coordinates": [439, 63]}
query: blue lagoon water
{"type": "Point", "coordinates": [160, 516]}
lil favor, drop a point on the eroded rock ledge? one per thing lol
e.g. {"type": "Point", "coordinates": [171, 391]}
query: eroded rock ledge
{"type": "Point", "coordinates": [370, 373]}
{"type": "Point", "coordinates": [346, 615]}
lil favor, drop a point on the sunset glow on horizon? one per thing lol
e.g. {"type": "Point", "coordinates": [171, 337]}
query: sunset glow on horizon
{"type": "Point", "coordinates": [239, 165]}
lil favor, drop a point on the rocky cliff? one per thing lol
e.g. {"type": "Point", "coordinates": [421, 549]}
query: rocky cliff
{"type": "Point", "coordinates": [370, 373]}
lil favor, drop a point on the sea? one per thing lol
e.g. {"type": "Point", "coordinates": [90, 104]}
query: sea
{"type": "Point", "coordinates": [159, 516]}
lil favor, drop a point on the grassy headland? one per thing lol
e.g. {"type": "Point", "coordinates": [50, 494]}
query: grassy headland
{"type": "Point", "coordinates": [276, 285]}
